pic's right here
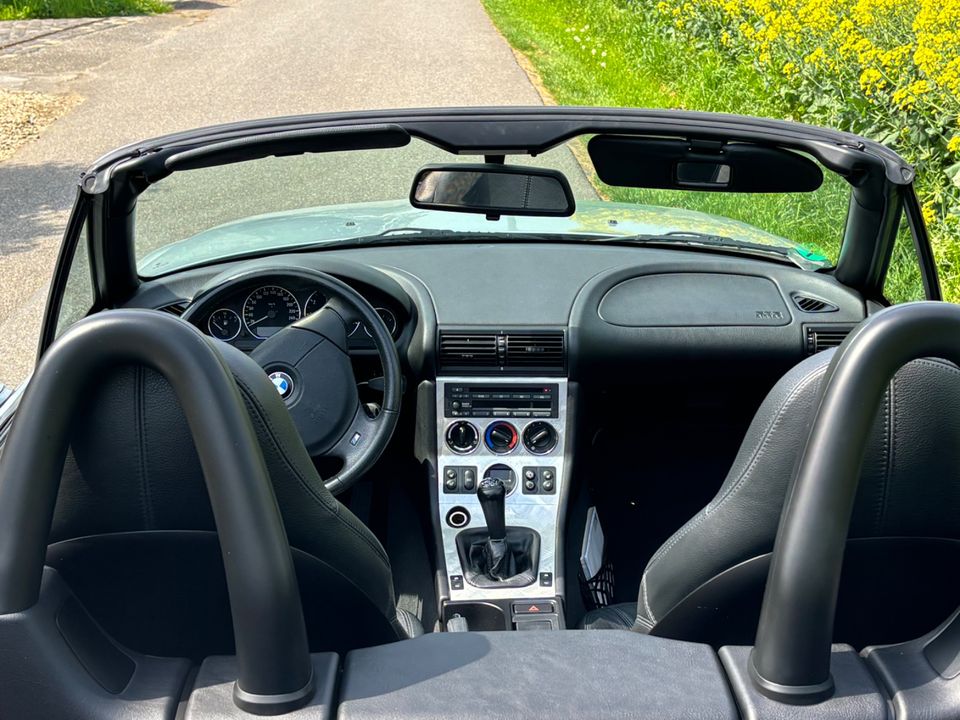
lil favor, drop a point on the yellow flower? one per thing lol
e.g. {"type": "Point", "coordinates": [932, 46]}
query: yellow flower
{"type": "Point", "coordinates": [816, 57]}
{"type": "Point", "coordinates": [929, 213]}
{"type": "Point", "coordinates": [954, 145]}
{"type": "Point", "coordinates": [871, 80]}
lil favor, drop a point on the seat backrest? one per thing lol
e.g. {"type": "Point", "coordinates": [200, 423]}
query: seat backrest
{"type": "Point", "coordinates": [133, 488]}
{"type": "Point", "coordinates": [909, 495]}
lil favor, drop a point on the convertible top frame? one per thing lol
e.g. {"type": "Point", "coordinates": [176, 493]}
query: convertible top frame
{"type": "Point", "coordinates": [881, 181]}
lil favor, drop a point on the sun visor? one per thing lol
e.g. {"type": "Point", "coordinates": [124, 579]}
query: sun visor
{"type": "Point", "coordinates": [289, 142]}
{"type": "Point", "coordinates": [674, 164]}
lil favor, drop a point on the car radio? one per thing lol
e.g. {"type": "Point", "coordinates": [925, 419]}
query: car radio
{"type": "Point", "coordinates": [507, 401]}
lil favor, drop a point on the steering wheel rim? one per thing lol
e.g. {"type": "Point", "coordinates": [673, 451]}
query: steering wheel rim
{"type": "Point", "coordinates": [314, 347]}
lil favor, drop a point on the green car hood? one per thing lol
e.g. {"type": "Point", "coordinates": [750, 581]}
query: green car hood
{"type": "Point", "coordinates": [343, 225]}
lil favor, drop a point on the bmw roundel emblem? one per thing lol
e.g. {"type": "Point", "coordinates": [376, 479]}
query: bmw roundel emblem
{"type": "Point", "coordinates": [282, 382]}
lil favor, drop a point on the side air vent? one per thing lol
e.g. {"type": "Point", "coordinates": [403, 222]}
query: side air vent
{"type": "Point", "coordinates": [811, 304]}
{"type": "Point", "coordinates": [823, 337]}
{"type": "Point", "coordinates": [535, 350]}
{"type": "Point", "coordinates": [503, 352]}
{"type": "Point", "coordinates": [177, 308]}
{"type": "Point", "coordinates": [461, 350]}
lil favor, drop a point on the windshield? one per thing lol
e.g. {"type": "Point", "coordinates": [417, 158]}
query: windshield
{"type": "Point", "coordinates": [347, 198]}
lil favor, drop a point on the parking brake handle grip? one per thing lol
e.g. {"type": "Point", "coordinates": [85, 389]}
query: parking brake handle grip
{"type": "Point", "coordinates": [491, 494]}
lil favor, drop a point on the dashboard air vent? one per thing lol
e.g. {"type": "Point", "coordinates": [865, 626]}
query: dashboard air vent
{"type": "Point", "coordinates": [175, 308]}
{"type": "Point", "coordinates": [822, 337]}
{"type": "Point", "coordinates": [468, 350]}
{"type": "Point", "coordinates": [519, 353]}
{"type": "Point", "coordinates": [811, 304]}
{"type": "Point", "coordinates": [535, 350]}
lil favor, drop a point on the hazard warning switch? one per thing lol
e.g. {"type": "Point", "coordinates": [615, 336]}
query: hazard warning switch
{"type": "Point", "coordinates": [534, 608]}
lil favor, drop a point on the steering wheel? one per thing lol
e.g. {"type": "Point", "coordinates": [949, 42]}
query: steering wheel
{"type": "Point", "coordinates": [309, 364]}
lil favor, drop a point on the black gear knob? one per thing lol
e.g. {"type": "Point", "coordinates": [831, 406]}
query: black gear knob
{"type": "Point", "coordinates": [491, 494]}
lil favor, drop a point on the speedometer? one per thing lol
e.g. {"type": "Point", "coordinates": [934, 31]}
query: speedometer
{"type": "Point", "coordinates": [269, 309]}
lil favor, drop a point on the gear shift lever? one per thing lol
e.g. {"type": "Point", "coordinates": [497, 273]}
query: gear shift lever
{"type": "Point", "coordinates": [491, 494]}
{"type": "Point", "coordinates": [498, 556]}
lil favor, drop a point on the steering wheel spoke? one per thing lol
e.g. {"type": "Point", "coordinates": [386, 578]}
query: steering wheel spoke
{"type": "Point", "coordinates": [356, 440]}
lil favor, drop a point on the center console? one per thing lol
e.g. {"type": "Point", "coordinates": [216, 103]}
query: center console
{"type": "Point", "coordinates": [502, 465]}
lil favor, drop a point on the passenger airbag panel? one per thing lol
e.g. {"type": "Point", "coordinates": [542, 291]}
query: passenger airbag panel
{"type": "Point", "coordinates": [694, 300]}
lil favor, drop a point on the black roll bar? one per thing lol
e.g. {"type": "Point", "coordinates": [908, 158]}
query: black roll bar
{"type": "Point", "coordinates": [274, 668]}
{"type": "Point", "coordinates": [790, 661]}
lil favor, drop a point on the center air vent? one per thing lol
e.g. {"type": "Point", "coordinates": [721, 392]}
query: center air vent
{"type": "Point", "coordinates": [535, 350]}
{"type": "Point", "coordinates": [515, 352]}
{"type": "Point", "coordinates": [823, 337]}
{"type": "Point", "coordinates": [468, 350]}
{"type": "Point", "coordinates": [811, 304]}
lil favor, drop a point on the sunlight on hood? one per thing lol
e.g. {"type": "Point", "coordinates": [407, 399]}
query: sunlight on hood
{"type": "Point", "coordinates": [346, 225]}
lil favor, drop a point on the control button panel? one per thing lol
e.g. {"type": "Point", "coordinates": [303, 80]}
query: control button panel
{"type": "Point", "coordinates": [483, 400]}
{"type": "Point", "coordinates": [459, 479]}
{"type": "Point", "coordinates": [537, 480]}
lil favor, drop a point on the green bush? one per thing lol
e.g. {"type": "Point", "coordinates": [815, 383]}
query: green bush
{"type": "Point", "coordinates": [25, 9]}
{"type": "Point", "coordinates": [771, 58]}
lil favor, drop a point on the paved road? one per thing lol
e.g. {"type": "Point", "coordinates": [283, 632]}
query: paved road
{"type": "Point", "coordinates": [221, 61]}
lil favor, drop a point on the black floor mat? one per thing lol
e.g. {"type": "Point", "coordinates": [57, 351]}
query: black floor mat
{"type": "Point", "coordinates": [648, 478]}
{"type": "Point", "coordinates": [407, 548]}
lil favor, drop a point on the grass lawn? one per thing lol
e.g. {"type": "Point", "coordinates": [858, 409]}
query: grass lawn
{"type": "Point", "coordinates": [605, 52]}
{"type": "Point", "coordinates": [25, 9]}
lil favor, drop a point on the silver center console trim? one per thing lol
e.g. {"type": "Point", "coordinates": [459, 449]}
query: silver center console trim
{"type": "Point", "coordinates": [537, 512]}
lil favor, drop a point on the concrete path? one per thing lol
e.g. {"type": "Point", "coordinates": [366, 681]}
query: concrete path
{"type": "Point", "coordinates": [220, 61]}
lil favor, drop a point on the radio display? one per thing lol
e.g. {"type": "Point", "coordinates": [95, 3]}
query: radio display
{"type": "Point", "coordinates": [519, 401]}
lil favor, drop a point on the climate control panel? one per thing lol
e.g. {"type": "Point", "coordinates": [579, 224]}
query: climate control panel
{"type": "Point", "coordinates": [501, 437]}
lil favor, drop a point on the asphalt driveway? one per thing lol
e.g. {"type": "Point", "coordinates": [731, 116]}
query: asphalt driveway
{"type": "Point", "coordinates": [219, 61]}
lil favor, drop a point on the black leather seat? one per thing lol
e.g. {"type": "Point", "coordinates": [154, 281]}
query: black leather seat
{"type": "Point", "coordinates": [706, 582]}
{"type": "Point", "coordinates": [134, 536]}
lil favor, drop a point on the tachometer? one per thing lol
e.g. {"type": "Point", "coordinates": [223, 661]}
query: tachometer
{"type": "Point", "coordinates": [224, 324]}
{"type": "Point", "coordinates": [269, 309]}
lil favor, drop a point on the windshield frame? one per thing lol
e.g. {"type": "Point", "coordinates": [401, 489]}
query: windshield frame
{"type": "Point", "coordinates": [876, 173]}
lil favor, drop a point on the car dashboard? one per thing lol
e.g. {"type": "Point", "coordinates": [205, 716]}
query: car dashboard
{"type": "Point", "coordinates": [617, 306]}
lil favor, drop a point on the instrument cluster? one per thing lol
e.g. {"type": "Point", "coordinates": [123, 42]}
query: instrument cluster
{"type": "Point", "coordinates": [254, 314]}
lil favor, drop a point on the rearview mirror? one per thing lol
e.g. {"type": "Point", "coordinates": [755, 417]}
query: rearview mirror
{"type": "Point", "coordinates": [493, 190]}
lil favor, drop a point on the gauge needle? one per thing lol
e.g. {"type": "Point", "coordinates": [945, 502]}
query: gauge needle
{"type": "Point", "coordinates": [255, 322]}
